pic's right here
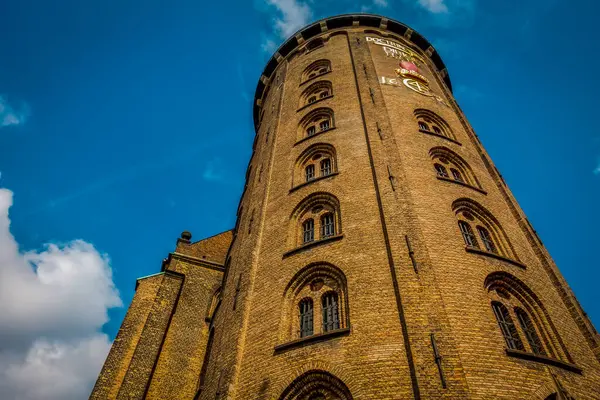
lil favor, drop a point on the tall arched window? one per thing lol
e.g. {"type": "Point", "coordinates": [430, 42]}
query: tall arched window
{"type": "Point", "coordinates": [327, 225]}
{"type": "Point", "coordinates": [315, 302]}
{"type": "Point", "coordinates": [317, 68]}
{"type": "Point", "coordinates": [431, 123]}
{"type": "Point", "coordinates": [511, 336]}
{"type": "Point", "coordinates": [467, 234]}
{"type": "Point", "coordinates": [318, 208]}
{"type": "Point", "coordinates": [317, 161]}
{"type": "Point", "coordinates": [529, 330]}
{"type": "Point", "coordinates": [316, 385]}
{"type": "Point", "coordinates": [489, 231]}
{"type": "Point", "coordinates": [317, 121]}
{"type": "Point", "coordinates": [331, 319]}
{"type": "Point", "coordinates": [521, 314]}
{"type": "Point", "coordinates": [308, 229]}
{"type": "Point", "coordinates": [306, 317]}
{"type": "Point", "coordinates": [319, 90]}
{"type": "Point", "coordinates": [445, 159]}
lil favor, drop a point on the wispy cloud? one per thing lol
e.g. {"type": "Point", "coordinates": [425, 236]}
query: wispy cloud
{"type": "Point", "coordinates": [10, 115]}
{"type": "Point", "coordinates": [597, 169]}
{"type": "Point", "coordinates": [374, 4]}
{"type": "Point", "coordinates": [435, 6]}
{"type": "Point", "coordinates": [288, 16]}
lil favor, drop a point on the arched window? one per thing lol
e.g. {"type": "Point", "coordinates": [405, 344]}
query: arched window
{"type": "Point", "coordinates": [331, 319]}
{"type": "Point", "coordinates": [317, 121]}
{"type": "Point", "coordinates": [315, 302]}
{"type": "Point", "coordinates": [521, 314]}
{"type": "Point", "coordinates": [529, 330]}
{"type": "Point", "coordinates": [315, 69]}
{"type": "Point", "coordinates": [467, 234]}
{"type": "Point", "coordinates": [327, 225]}
{"type": "Point", "coordinates": [306, 318]}
{"type": "Point", "coordinates": [308, 229]}
{"type": "Point", "coordinates": [486, 239]}
{"type": "Point", "coordinates": [317, 91]}
{"type": "Point", "coordinates": [441, 170]}
{"type": "Point", "coordinates": [316, 385]}
{"type": "Point", "coordinates": [460, 171]}
{"type": "Point", "coordinates": [325, 167]}
{"type": "Point", "coordinates": [431, 123]}
{"type": "Point", "coordinates": [511, 336]}
{"type": "Point", "coordinates": [310, 172]}
{"type": "Point", "coordinates": [491, 235]}
{"type": "Point", "coordinates": [319, 158]}
{"type": "Point", "coordinates": [319, 207]}
{"type": "Point", "coordinates": [457, 175]}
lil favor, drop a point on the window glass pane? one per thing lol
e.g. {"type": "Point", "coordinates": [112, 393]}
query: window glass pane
{"type": "Point", "coordinates": [310, 172]}
{"type": "Point", "coordinates": [457, 175]}
{"type": "Point", "coordinates": [324, 125]}
{"type": "Point", "coordinates": [467, 234]}
{"type": "Point", "coordinates": [308, 230]}
{"type": "Point", "coordinates": [486, 239]}
{"type": "Point", "coordinates": [530, 332]}
{"type": "Point", "coordinates": [312, 99]}
{"type": "Point", "coordinates": [327, 225]}
{"type": "Point", "coordinates": [325, 167]}
{"type": "Point", "coordinates": [330, 312]}
{"type": "Point", "coordinates": [507, 327]}
{"type": "Point", "coordinates": [441, 170]}
{"type": "Point", "coordinates": [437, 130]}
{"type": "Point", "coordinates": [423, 126]}
{"type": "Point", "coordinates": [311, 131]}
{"type": "Point", "coordinates": [306, 317]}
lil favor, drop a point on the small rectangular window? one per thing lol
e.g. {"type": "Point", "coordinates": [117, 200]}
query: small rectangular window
{"type": "Point", "coordinates": [486, 238]}
{"type": "Point", "coordinates": [467, 234]}
{"type": "Point", "coordinates": [311, 130]}
{"type": "Point", "coordinates": [327, 226]}
{"type": "Point", "coordinates": [324, 125]}
{"type": "Point", "coordinates": [331, 319]}
{"type": "Point", "coordinates": [457, 175]}
{"type": "Point", "coordinates": [308, 228]}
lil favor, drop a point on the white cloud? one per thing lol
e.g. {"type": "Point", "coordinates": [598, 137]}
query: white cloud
{"type": "Point", "coordinates": [268, 46]}
{"type": "Point", "coordinates": [53, 303]}
{"type": "Point", "coordinates": [10, 116]}
{"type": "Point", "coordinates": [380, 3]}
{"type": "Point", "coordinates": [435, 6]}
{"type": "Point", "coordinates": [293, 16]}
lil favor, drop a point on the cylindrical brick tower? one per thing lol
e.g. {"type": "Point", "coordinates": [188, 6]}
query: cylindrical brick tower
{"type": "Point", "coordinates": [378, 254]}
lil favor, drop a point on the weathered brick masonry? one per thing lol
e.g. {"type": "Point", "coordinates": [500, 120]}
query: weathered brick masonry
{"type": "Point", "coordinates": [378, 254]}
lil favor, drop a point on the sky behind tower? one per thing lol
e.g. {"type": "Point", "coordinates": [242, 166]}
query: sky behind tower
{"type": "Point", "coordinates": [123, 123]}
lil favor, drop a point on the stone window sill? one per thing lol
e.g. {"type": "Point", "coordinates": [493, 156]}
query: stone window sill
{"type": "Point", "coordinates": [314, 102]}
{"type": "Point", "coordinates": [305, 341]}
{"type": "Point", "coordinates": [496, 256]}
{"type": "Point", "coordinates": [440, 136]}
{"type": "Point", "coordinates": [442, 178]}
{"type": "Point", "coordinates": [312, 136]}
{"type": "Point", "coordinates": [313, 244]}
{"type": "Point", "coordinates": [312, 181]}
{"type": "Point", "coordinates": [315, 77]}
{"type": "Point", "coordinates": [543, 359]}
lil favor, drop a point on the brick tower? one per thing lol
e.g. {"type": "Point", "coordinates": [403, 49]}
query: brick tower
{"type": "Point", "coordinates": [378, 254]}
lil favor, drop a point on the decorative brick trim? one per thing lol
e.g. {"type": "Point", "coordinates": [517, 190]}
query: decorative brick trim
{"type": "Point", "coordinates": [312, 136]}
{"type": "Point", "coordinates": [319, 337]}
{"type": "Point", "coordinates": [312, 244]}
{"type": "Point", "coordinates": [543, 359]}
{"type": "Point", "coordinates": [314, 102]}
{"type": "Point", "coordinates": [496, 256]}
{"type": "Point", "coordinates": [440, 136]}
{"type": "Point", "coordinates": [313, 180]}
{"type": "Point", "coordinates": [441, 178]}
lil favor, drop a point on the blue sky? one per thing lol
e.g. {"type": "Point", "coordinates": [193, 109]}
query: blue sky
{"type": "Point", "coordinates": [124, 123]}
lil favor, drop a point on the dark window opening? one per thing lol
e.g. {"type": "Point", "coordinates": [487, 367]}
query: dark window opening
{"type": "Point", "coordinates": [457, 175]}
{"type": "Point", "coordinates": [507, 327]}
{"type": "Point", "coordinates": [325, 167]}
{"type": "Point", "coordinates": [530, 332]}
{"type": "Point", "coordinates": [467, 234]}
{"type": "Point", "coordinates": [311, 130]}
{"type": "Point", "coordinates": [441, 170]}
{"type": "Point", "coordinates": [308, 231]}
{"type": "Point", "coordinates": [306, 318]}
{"type": "Point", "coordinates": [486, 239]}
{"type": "Point", "coordinates": [327, 225]}
{"type": "Point", "coordinates": [312, 99]}
{"type": "Point", "coordinates": [437, 130]}
{"type": "Point", "coordinates": [423, 126]}
{"type": "Point", "coordinates": [331, 319]}
{"type": "Point", "coordinates": [310, 172]}
{"type": "Point", "coordinates": [324, 125]}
